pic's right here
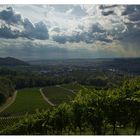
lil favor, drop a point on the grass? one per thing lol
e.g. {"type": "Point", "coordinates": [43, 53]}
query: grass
{"type": "Point", "coordinates": [90, 87]}
{"type": "Point", "coordinates": [72, 86]}
{"type": "Point", "coordinates": [28, 100]}
{"type": "Point", "coordinates": [77, 87]}
{"type": "Point", "coordinates": [62, 93]}
{"type": "Point", "coordinates": [58, 95]}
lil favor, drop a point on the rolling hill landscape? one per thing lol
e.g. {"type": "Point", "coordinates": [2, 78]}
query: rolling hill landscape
{"type": "Point", "coordinates": [32, 92]}
{"type": "Point", "coordinates": [69, 69]}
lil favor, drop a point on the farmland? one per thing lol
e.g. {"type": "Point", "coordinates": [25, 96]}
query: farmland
{"type": "Point", "coordinates": [75, 87]}
{"type": "Point", "coordinates": [77, 110]}
{"type": "Point", "coordinates": [8, 121]}
{"type": "Point", "coordinates": [58, 94]}
{"type": "Point", "coordinates": [28, 100]}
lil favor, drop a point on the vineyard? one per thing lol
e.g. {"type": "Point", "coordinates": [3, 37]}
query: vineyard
{"type": "Point", "coordinates": [90, 112]}
{"type": "Point", "coordinates": [27, 101]}
{"type": "Point", "coordinates": [8, 121]}
{"type": "Point", "coordinates": [75, 87]}
{"type": "Point", "coordinates": [58, 95]}
{"type": "Point", "coordinates": [78, 110]}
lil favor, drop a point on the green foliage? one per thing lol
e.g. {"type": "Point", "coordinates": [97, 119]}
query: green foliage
{"type": "Point", "coordinates": [112, 111]}
{"type": "Point", "coordinates": [27, 101]}
{"type": "Point", "coordinates": [8, 122]}
{"type": "Point", "coordinates": [74, 87]}
{"type": "Point", "coordinates": [6, 89]}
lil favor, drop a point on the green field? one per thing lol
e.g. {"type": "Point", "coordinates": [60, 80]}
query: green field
{"type": "Point", "coordinates": [62, 93]}
{"type": "Point", "coordinates": [58, 95]}
{"type": "Point", "coordinates": [28, 100]}
{"type": "Point", "coordinates": [75, 87]}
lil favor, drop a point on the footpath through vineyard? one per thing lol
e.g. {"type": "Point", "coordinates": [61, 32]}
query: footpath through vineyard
{"type": "Point", "coordinates": [45, 98]}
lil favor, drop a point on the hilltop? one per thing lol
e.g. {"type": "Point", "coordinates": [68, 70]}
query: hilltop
{"type": "Point", "coordinates": [10, 61]}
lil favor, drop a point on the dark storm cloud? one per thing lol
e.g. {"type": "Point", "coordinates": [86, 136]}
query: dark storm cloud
{"type": "Point", "coordinates": [96, 28]}
{"type": "Point", "coordinates": [107, 9]}
{"type": "Point", "coordinates": [129, 9]}
{"type": "Point", "coordinates": [11, 19]}
{"type": "Point", "coordinates": [107, 6]}
{"type": "Point", "coordinates": [106, 13]}
{"type": "Point", "coordinates": [95, 33]}
{"type": "Point", "coordinates": [132, 11]}
{"type": "Point", "coordinates": [132, 24]}
{"type": "Point", "coordinates": [41, 31]}
{"type": "Point", "coordinates": [5, 32]}
{"type": "Point", "coordinates": [126, 30]}
{"type": "Point", "coordinates": [10, 16]}
{"type": "Point", "coordinates": [85, 37]}
{"type": "Point", "coordinates": [60, 38]}
{"type": "Point", "coordinates": [38, 31]}
{"type": "Point", "coordinates": [132, 34]}
{"type": "Point", "coordinates": [135, 14]}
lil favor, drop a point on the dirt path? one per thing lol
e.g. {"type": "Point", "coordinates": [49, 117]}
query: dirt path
{"type": "Point", "coordinates": [45, 98]}
{"type": "Point", "coordinates": [8, 102]}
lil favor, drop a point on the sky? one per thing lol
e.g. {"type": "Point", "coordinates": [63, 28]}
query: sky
{"type": "Point", "coordinates": [69, 31]}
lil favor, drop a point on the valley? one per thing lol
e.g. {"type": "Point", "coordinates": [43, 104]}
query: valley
{"type": "Point", "coordinates": [59, 88]}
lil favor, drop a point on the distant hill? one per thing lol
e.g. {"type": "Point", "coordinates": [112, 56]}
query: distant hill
{"type": "Point", "coordinates": [10, 61]}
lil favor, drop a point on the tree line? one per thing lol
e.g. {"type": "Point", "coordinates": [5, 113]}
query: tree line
{"type": "Point", "coordinates": [6, 89]}
{"type": "Point", "coordinates": [23, 79]}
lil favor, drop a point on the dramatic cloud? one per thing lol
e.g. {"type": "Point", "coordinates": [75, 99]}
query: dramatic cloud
{"type": "Point", "coordinates": [105, 23]}
{"type": "Point", "coordinates": [10, 17]}
{"type": "Point", "coordinates": [12, 25]}
{"type": "Point", "coordinates": [38, 30]}
{"type": "Point", "coordinates": [5, 32]}
{"type": "Point", "coordinates": [94, 33]}
{"type": "Point", "coordinates": [70, 31]}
